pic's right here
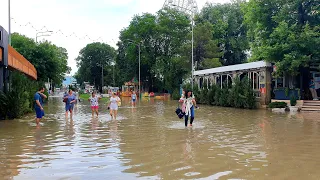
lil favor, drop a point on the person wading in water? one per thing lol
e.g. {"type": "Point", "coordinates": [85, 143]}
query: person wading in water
{"type": "Point", "coordinates": [190, 104]}
{"type": "Point", "coordinates": [38, 98]}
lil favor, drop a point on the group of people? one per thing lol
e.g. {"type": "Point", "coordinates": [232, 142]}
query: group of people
{"type": "Point", "coordinates": [187, 101]}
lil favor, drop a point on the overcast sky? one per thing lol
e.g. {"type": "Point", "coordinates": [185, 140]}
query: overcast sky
{"type": "Point", "coordinates": [101, 19]}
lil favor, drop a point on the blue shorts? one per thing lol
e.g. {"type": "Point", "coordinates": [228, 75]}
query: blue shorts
{"type": "Point", "coordinates": [133, 100]}
{"type": "Point", "coordinates": [39, 113]}
{"type": "Point", "coordinates": [69, 107]}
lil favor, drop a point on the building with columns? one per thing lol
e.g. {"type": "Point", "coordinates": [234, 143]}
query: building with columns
{"type": "Point", "coordinates": [258, 72]}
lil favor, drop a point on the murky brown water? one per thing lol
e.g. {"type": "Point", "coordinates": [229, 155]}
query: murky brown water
{"type": "Point", "coordinates": [150, 142]}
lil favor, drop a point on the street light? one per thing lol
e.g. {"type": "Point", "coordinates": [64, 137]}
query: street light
{"type": "Point", "coordinates": [42, 34]}
{"type": "Point", "coordinates": [9, 22]}
{"type": "Point", "coordinates": [139, 46]}
{"type": "Point", "coordinates": [190, 7]}
{"type": "Point", "coordinates": [102, 66]}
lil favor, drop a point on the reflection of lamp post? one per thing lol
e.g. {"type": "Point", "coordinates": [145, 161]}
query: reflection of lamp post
{"type": "Point", "coordinates": [42, 34]}
{"type": "Point", "coordinates": [139, 46]}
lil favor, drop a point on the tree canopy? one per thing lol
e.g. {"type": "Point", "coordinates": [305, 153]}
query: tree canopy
{"type": "Point", "coordinates": [49, 60]}
{"type": "Point", "coordinates": [284, 32]}
{"type": "Point", "coordinates": [91, 60]}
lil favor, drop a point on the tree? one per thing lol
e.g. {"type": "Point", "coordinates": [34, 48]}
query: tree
{"type": "Point", "coordinates": [161, 39]}
{"type": "Point", "coordinates": [91, 60]}
{"type": "Point", "coordinates": [207, 53]}
{"type": "Point", "coordinates": [49, 60]}
{"type": "Point", "coordinates": [228, 30]}
{"type": "Point", "coordinates": [286, 33]}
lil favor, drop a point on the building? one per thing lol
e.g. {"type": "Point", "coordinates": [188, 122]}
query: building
{"type": "Point", "coordinates": [259, 72]}
{"type": "Point", "coordinates": [69, 80]}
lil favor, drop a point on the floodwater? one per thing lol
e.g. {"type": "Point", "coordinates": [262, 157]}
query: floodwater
{"type": "Point", "coordinates": [150, 142]}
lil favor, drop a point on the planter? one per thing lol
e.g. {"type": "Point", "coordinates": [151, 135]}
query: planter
{"type": "Point", "coordinates": [293, 109]}
{"type": "Point", "coordinates": [279, 110]}
{"type": "Point", "coordinates": [280, 94]}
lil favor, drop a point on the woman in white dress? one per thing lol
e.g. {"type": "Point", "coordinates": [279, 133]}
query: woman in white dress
{"type": "Point", "coordinates": [113, 105]}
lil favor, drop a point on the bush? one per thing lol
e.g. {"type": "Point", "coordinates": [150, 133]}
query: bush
{"type": "Point", "coordinates": [176, 94]}
{"type": "Point", "coordinates": [240, 95]}
{"type": "Point", "coordinates": [19, 100]}
{"type": "Point", "coordinates": [277, 105]}
{"type": "Point", "coordinates": [293, 100]}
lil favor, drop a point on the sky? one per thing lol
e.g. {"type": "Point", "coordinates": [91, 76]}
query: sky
{"type": "Point", "coordinates": [76, 23]}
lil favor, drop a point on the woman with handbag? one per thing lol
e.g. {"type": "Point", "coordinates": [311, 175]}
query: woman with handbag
{"type": "Point", "coordinates": [190, 105]}
{"type": "Point", "coordinates": [69, 99]}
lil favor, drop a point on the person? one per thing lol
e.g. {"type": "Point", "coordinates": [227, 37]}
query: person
{"type": "Point", "coordinates": [70, 99]}
{"type": "Point", "coordinates": [183, 101]}
{"type": "Point", "coordinates": [113, 105]}
{"type": "Point", "coordinates": [94, 100]}
{"type": "Point", "coordinates": [38, 98]}
{"type": "Point", "coordinates": [134, 98]}
{"type": "Point", "coordinates": [313, 90]}
{"type": "Point", "coordinates": [190, 104]}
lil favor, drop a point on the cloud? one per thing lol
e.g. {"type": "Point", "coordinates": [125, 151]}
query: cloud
{"type": "Point", "coordinates": [102, 19]}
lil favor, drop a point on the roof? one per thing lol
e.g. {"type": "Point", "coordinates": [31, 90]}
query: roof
{"type": "Point", "coordinates": [231, 68]}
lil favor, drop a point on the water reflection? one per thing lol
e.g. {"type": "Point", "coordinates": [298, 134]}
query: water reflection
{"type": "Point", "coordinates": [150, 142]}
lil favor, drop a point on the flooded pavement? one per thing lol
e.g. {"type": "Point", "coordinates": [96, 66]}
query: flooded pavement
{"type": "Point", "coordinates": [150, 142]}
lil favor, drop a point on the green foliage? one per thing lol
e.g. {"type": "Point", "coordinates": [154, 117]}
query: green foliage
{"type": "Point", "coordinates": [228, 30]}
{"type": "Point", "coordinates": [49, 60]}
{"type": "Point", "coordinates": [277, 105]}
{"type": "Point", "coordinates": [90, 61]}
{"type": "Point", "coordinates": [286, 33]}
{"type": "Point", "coordinates": [176, 95]}
{"type": "Point", "coordinates": [238, 95]}
{"type": "Point", "coordinates": [293, 101]}
{"type": "Point", "coordinates": [207, 53]}
{"type": "Point", "coordinates": [164, 40]}
{"type": "Point", "coordinates": [19, 100]}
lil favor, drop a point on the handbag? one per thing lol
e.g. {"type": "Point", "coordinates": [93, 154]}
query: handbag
{"type": "Point", "coordinates": [179, 112]}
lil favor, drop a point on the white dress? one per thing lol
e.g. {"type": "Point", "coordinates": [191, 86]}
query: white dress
{"type": "Point", "coordinates": [114, 103]}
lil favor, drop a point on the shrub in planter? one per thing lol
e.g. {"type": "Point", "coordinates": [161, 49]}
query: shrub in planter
{"type": "Point", "coordinates": [277, 105]}
{"type": "Point", "coordinates": [293, 101]}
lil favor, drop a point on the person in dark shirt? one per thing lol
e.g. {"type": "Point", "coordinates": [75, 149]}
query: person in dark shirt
{"type": "Point", "coordinates": [313, 90]}
{"type": "Point", "coordinates": [38, 98]}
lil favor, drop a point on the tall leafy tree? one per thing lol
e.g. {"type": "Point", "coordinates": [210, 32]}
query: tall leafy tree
{"type": "Point", "coordinates": [91, 60]}
{"type": "Point", "coordinates": [228, 30]}
{"type": "Point", "coordinates": [49, 60]}
{"type": "Point", "coordinates": [284, 32]}
{"type": "Point", "coordinates": [207, 52]}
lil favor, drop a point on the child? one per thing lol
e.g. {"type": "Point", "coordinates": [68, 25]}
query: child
{"type": "Point", "coordinates": [94, 100]}
{"type": "Point", "coordinates": [134, 98]}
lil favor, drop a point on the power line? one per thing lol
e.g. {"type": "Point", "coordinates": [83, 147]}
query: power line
{"type": "Point", "coordinates": [60, 32]}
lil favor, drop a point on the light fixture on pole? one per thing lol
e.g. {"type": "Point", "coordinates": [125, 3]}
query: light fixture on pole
{"type": "Point", "coordinates": [40, 34]}
{"type": "Point", "coordinates": [190, 7]}
{"type": "Point", "coordinates": [9, 22]}
{"type": "Point", "coordinates": [139, 46]}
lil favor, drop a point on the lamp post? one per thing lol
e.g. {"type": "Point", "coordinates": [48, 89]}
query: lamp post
{"type": "Point", "coordinates": [9, 22]}
{"type": "Point", "coordinates": [139, 47]}
{"type": "Point", "coordinates": [42, 34]}
{"type": "Point", "coordinates": [190, 7]}
{"type": "Point", "coordinates": [102, 66]}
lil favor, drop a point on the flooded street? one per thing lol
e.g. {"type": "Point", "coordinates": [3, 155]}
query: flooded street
{"type": "Point", "coordinates": [150, 142]}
